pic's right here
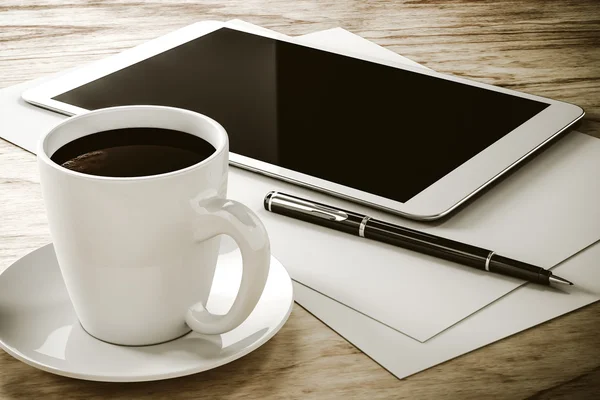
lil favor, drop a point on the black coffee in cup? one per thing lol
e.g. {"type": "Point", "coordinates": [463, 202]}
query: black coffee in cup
{"type": "Point", "coordinates": [131, 152]}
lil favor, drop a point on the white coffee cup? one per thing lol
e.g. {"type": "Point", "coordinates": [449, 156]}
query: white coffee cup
{"type": "Point", "coordinates": [138, 254]}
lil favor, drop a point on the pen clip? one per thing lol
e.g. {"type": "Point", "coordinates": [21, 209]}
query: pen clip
{"type": "Point", "coordinates": [307, 207]}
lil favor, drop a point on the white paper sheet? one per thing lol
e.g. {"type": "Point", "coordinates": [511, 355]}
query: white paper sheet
{"type": "Point", "coordinates": [524, 217]}
{"type": "Point", "coordinates": [516, 218]}
{"type": "Point", "coordinates": [21, 123]}
{"type": "Point", "coordinates": [522, 309]}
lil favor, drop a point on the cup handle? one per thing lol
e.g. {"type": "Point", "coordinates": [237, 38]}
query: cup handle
{"type": "Point", "coordinates": [221, 216]}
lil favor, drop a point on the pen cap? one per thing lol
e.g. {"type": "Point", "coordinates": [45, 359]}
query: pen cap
{"type": "Point", "coordinates": [267, 199]}
{"type": "Point", "coordinates": [313, 212]}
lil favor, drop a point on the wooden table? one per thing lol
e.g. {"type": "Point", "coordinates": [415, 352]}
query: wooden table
{"type": "Point", "coordinates": [549, 49]}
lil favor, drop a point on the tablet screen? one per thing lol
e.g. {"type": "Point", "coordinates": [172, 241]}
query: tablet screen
{"type": "Point", "coordinates": [368, 126]}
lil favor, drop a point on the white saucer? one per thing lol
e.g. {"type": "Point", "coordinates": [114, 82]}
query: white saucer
{"type": "Point", "coordinates": [39, 327]}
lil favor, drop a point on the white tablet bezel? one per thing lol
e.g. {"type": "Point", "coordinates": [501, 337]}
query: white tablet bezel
{"type": "Point", "coordinates": [434, 202]}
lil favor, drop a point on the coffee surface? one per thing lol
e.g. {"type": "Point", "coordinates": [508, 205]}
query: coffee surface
{"type": "Point", "coordinates": [131, 152]}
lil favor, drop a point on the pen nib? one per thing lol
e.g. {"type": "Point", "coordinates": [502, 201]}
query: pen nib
{"type": "Point", "coordinates": [558, 279]}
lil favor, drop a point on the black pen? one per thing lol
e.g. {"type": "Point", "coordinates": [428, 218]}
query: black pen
{"type": "Point", "coordinates": [367, 227]}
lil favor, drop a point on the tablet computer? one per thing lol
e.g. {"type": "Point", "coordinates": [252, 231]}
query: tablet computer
{"type": "Point", "coordinates": [407, 140]}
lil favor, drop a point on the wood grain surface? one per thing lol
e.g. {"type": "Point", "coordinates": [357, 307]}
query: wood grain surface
{"type": "Point", "coordinates": [550, 49]}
